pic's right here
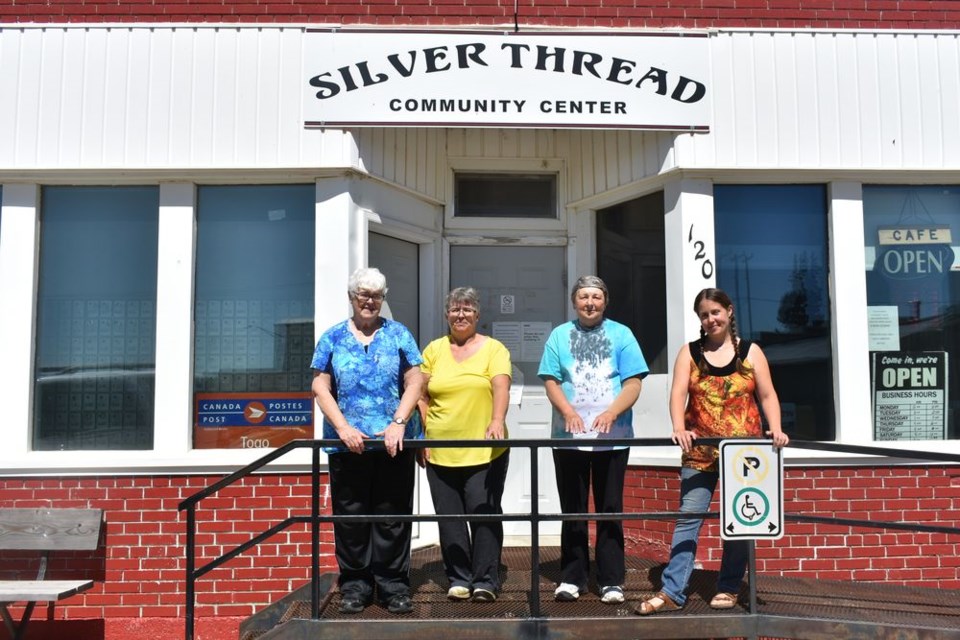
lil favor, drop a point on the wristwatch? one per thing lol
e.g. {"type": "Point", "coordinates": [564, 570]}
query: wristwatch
{"type": "Point", "coordinates": [400, 421]}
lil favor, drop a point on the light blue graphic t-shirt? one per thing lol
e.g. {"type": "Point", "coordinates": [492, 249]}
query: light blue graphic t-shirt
{"type": "Point", "coordinates": [591, 365]}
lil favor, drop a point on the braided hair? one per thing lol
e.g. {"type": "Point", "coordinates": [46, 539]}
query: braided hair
{"type": "Point", "coordinates": [720, 297]}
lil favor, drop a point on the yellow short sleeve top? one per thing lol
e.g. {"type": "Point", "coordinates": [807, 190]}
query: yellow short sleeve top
{"type": "Point", "coordinates": [461, 399]}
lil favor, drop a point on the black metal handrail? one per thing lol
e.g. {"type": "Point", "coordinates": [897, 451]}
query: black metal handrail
{"type": "Point", "coordinates": [191, 504]}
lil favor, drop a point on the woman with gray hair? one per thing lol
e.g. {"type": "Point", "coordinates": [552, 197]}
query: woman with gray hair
{"type": "Point", "coordinates": [592, 369]}
{"type": "Point", "coordinates": [466, 393]}
{"type": "Point", "coordinates": [367, 383]}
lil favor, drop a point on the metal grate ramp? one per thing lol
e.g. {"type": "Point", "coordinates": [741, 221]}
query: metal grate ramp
{"type": "Point", "coordinates": [787, 608]}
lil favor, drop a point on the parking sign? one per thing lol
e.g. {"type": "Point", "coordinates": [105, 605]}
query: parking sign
{"type": "Point", "coordinates": [751, 490]}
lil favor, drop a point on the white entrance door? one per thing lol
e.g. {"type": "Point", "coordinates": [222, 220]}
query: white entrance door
{"type": "Point", "coordinates": [522, 297]}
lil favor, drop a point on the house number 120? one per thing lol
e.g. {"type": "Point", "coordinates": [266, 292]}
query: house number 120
{"type": "Point", "coordinates": [706, 265]}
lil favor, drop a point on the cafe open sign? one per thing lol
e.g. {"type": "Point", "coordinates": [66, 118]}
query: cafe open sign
{"type": "Point", "coordinates": [915, 252]}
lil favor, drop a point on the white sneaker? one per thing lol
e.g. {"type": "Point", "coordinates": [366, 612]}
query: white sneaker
{"type": "Point", "coordinates": [458, 593]}
{"type": "Point", "coordinates": [566, 592]}
{"type": "Point", "coordinates": [611, 595]}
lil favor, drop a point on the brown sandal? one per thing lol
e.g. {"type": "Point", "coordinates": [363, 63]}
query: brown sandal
{"type": "Point", "coordinates": [650, 605]}
{"type": "Point", "coordinates": [724, 601]}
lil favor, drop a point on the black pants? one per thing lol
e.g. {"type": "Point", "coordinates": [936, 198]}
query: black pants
{"type": "Point", "coordinates": [373, 554]}
{"type": "Point", "coordinates": [471, 556]}
{"type": "Point", "coordinates": [575, 469]}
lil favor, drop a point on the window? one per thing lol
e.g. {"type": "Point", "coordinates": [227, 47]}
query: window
{"type": "Point", "coordinates": [254, 315]}
{"type": "Point", "coordinates": [631, 261]}
{"type": "Point", "coordinates": [772, 261]}
{"type": "Point", "coordinates": [399, 261]}
{"type": "Point", "coordinates": [96, 321]}
{"type": "Point", "coordinates": [505, 195]}
{"type": "Point", "coordinates": [913, 298]}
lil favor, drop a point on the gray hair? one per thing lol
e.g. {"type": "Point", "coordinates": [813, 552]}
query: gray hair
{"type": "Point", "coordinates": [586, 282]}
{"type": "Point", "coordinates": [368, 278]}
{"type": "Point", "coordinates": [459, 295]}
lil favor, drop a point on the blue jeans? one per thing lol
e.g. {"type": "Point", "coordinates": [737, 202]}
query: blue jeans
{"type": "Point", "coordinates": [696, 492]}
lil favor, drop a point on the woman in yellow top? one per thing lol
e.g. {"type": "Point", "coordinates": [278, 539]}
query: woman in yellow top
{"type": "Point", "coordinates": [467, 389]}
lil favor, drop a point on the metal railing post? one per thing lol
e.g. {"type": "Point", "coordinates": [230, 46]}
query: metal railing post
{"type": "Point", "coordinates": [191, 562]}
{"type": "Point", "coordinates": [315, 535]}
{"type": "Point", "coordinates": [535, 531]}
{"type": "Point", "coordinates": [752, 565]}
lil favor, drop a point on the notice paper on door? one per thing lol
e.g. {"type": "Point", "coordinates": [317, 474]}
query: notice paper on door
{"type": "Point", "coordinates": [883, 325]}
{"type": "Point", "coordinates": [524, 340]}
{"type": "Point", "coordinates": [534, 336]}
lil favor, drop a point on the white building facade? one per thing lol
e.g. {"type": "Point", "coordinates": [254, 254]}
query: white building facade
{"type": "Point", "coordinates": [181, 210]}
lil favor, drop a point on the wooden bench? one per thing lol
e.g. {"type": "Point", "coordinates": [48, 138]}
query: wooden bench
{"type": "Point", "coordinates": [44, 530]}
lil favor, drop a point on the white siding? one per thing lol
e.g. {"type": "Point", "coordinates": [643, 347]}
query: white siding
{"type": "Point", "coordinates": [157, 98]}
{"type": "Point", "coordinates": [815, 100]}
{"type": "Point", "coordinates": [227, 98]}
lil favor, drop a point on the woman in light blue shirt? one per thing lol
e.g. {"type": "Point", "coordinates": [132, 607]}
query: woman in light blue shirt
{"type": "Point", "coordinates": [592, 369]}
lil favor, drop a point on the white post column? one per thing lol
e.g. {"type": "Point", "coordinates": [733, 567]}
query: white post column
{"type": "Point", "coordinates": [19, 256]}
{"type": "Point", "coordinates": [848, 299]}
{"type": "Point", "coordinates": [691, 262]}
{"type": "Point", "coordinates": [176, 242]}
{"type": "Point", "coordinates": [338, 251]}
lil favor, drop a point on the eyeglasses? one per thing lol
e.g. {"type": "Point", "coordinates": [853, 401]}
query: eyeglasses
{"type": "Point", "coordinates": [467, 311]}
{"type": "Point", "coordinates": [364, 297]}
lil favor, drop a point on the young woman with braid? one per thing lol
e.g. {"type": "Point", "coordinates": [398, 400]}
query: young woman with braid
{"type": "Point", "coordinates": [717, 381]}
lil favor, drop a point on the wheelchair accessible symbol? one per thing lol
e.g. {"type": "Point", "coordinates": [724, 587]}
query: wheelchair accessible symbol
{"type": "Point", "coordinates": [750, 507]}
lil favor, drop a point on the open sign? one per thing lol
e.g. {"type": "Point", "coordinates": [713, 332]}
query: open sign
{"type": "Point", "coordinates": [908, 262]}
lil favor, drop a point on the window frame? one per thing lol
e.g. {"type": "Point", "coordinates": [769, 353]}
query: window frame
{"type": "Point", "coordinates": [219, 195]}
{"type": "Point", "coordinates": [60, 206]}
{"type": "Point", "coordinates": [766, 192]}
{"type": "Point", "coordinates": [551, 166]}
{"type": "Point", "coordinates": [906, 186]}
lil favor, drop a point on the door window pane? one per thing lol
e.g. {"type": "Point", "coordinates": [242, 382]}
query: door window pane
{"type": "Point", "coordinates": [631, 261]}
{"type": "Point", "coordinates": [96, 321]}
{"type": "Point", "coordinates": [399, 261]}
{"type": "Point", "coordinates": [254, 315]}
{"type": "Point", "coordinates": [505, 195]}
{"type": "Point", "coordinates": [913, 295]}
{"type": "Point", "coordinates": [772, 260]}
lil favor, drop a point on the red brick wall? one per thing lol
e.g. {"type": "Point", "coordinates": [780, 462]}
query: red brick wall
{"type": "Point", "coordinates": [140, 568]}
{"type": "Point", "coordinates": [830, 552]}
{"type": "Point", "coordinates": [855, 14]}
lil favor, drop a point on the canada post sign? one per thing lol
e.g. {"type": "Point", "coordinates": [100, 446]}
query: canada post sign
{"type": "Point", "coordinates": [655, 81]}
{"type": "Point", "coordinates": [247, 410]}
{"type": "Point", "coordinates": [251, 420]}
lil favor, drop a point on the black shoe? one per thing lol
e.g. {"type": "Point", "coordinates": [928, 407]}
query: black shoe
{"type": "Point", "coordinates": [400, 604]}
{"type": "Point", "coordinates": [484, 595]}
{"type": "Point", "coordinates": [351, 604]}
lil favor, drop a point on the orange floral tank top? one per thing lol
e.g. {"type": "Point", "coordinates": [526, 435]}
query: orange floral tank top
{"type": "Point", "coordinates": [721, 404]}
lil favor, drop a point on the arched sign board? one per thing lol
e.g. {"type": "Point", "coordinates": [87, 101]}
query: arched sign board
{"type": "Point", "coordinates": [751, 490]}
